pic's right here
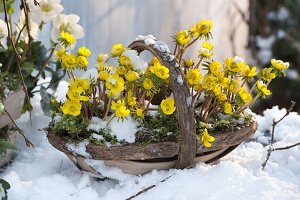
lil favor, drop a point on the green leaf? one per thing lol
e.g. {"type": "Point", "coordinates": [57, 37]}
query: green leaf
{"type": "Point", "coordinates": [45, 101]}
{"type": "Point", "coordinates": [27, 68]}
{"type": "Point", "coordinates": [5, 145]}
{"type": "Point", "coordinates": [9, 3]}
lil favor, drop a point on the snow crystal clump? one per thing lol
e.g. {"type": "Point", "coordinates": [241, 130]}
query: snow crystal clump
{"type": "Point", "coordinates": [179, 80]}
{"type": "Point", "coordinates": [162, 47]}
{"type": "Point", "coordinates": [149, 39]}
{"type": "Point", "coordinates": [79, 148]}
{"type": "Point", "coordinates": [97, 136]}
{"type": "Point", "coordinates": [136, 61]}
{"type": "Point", "coordinates": [189, 101]}
{"type": "Point", "coordinates": [96, 124]}
{"type": "Point", "coordinates": [124, 130]}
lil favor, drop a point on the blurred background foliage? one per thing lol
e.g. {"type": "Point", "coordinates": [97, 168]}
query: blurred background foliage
{"type": "Point", "coordinates": [274, 28]}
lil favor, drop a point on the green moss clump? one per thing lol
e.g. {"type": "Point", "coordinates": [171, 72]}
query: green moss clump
{"type": "Point", "coordinates": [158, 129]}
{"type": "Point", "coordinates": [74, 127]}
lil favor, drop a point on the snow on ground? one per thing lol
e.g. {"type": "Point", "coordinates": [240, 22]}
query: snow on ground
{"type": "Point", "coordinates": [43, 173]}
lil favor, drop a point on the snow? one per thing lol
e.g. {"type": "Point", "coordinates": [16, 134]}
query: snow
{"type": "Point", "coordinates": [79, 148]}
{"type": "Point", "coordinates": [44, 173]}
{"type": "Point", "coordinates": [149, 39]}
{"type": "Point", "coordinates": [179, 80]}
{"type": "Point", "coordinates": [124, 129]}
{"type": "Point", "coordinates": [136, 61]}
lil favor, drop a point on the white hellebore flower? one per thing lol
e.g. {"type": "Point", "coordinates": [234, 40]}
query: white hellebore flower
{"type": "Point", "coordinates": [34, 27]}
{"type": "Point", "coordinates": [46, 10]}
{"type": "Point", "coordinates": [67, 23]}
{"type": "Point", "coordinates": [3, 29]}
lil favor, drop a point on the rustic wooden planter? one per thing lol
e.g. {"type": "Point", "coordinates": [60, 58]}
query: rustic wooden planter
{"type": "Point", "coordinates": [13, 104]}
{"type": "Point", "coordinates": [140, 159]}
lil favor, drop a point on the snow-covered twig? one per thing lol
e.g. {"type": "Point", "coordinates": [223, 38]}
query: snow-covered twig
{"type": "Point", "coordinates": [272, 136]}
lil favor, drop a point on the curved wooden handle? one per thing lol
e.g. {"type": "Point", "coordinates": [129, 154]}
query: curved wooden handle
{"type": "Point", "coordinates": [183, 101]}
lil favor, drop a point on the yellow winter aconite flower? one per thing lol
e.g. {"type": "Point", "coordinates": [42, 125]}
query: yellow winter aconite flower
{"type": "Point", "coordinates": [221, 97]}
{"type": "Point", "coordinates": [262, 88]}
{"type": "Point", "coordinates": [60, 53]}
{"type": "Point", "coordinates": [117, 49]}
{"type": "Point", "coordinates": [139, 112]}
{"type": "Point", "coordinates": [115, 84]}
{"type": "Point", "coordinates": [182, 37]}
{"type": "Point", "coordinates": [215, 67]}
{"type": "Point", "coordinates": [131, 76]}
{"type": "Point", "coordinates": [245, 96]}
{"type": "Point", "coordinates": [222, 80]}
{"type": "Point", "coordinates": [193, 77]}
{"type": "Point", "coordinates": [232, 66]}
{"type": "Point", "coordinates": [74, 93]}
{"type": "Point", "coordinates": [131, 101]}
{"type": "Point", "coordinates": [234, 86]}
{"type": "Point", "coordinates": [206, 138]}
{"type": "Point", "coordinates": [71, 107]}
{"type": "Point", "coordinates": [121, 70]}
{"type": "Point", "coordinates": [69, 61]}
{"type": "Point", "coordinates": [206, 49]}
{"type": "Point", "coordinates": [189, 62]}
{"type": "Point", "coordinates": [198, 87]}
{"type": "Point", "coordinates": [124, 60]}
{"type": "Point", "coordinates": [122, 112]}
{"type": "Point", "coordinates": [103, 75]}
{"type": "Point", "coordinates": [194, 32]}
{"type": "Point", "coordinates": [67, 38]}
{"type": "Point", "coordinates": [168, 106]}
{"type": "Point", "coordinates": [82, 61]}
{"type": "Point", "coordinates": [160, 71]}
{"type": "Point", "coordinates": [204, 27]}
{"type": "Point", "coordinates": [155, 61]}
{"type": "Point", "coordinates": [84, 83]}
{"type": "Point", "coordinates": [279, 64]}
{"type": "Point", "coordinates": [209, 82]}
{"type": "Point", "coordinates": [227, 108]}
{"type": "Point", "coordinates": [102, 58]}
{"type": "Point", "coordinates": [117, 104]}
{"type": "Point", "coordinates": [83, 51]}
{"type": "Point", "coordinates": [148, 84]}
{"type": "Point", "coordinates": [267, 74]}
{"type": "Point", "coordinates": [249, 73]}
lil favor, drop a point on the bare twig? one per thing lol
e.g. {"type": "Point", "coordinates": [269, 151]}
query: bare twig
{"type": "Point", "coordinates": [147, 188]}
{"type": "Point", "coordinates": [18, 58]}
{"type": "Point", "coordinates": [28, 143]}
{"type": "Point", "coordinates": [273, 133]}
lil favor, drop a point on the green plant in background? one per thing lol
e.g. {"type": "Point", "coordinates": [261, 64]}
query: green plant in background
{"type": "Point", "coordinates": [24, 59]}
{"type": "Point", "coordinates": [274, 32]}
{"type": "Point", "coordinates": [4, 186]}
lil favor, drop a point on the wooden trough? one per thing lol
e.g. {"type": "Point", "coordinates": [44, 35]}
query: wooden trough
{"type": "Point", "coordinates": [140, 159]}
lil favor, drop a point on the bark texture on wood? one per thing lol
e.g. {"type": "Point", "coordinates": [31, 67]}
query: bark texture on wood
{"type": "Point", "coordinates": [184, 111]}
{"type": "Point", "coordinates": [156, 150]}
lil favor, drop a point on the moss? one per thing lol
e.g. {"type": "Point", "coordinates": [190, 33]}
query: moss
{"type": "Point", "coordinates": [158, 129]}
{"type": "Point", "coordinates": [107, 137]}
{"type": "Point", "coordinates": [74, 127]}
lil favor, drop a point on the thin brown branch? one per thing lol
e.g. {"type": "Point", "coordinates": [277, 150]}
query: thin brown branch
{"type": "Point", "coordinates": [28, 143]}
{"type": "Point", "coordinates": [147, 189]}
{"type": "Point", "coordinates": [273, 134]}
